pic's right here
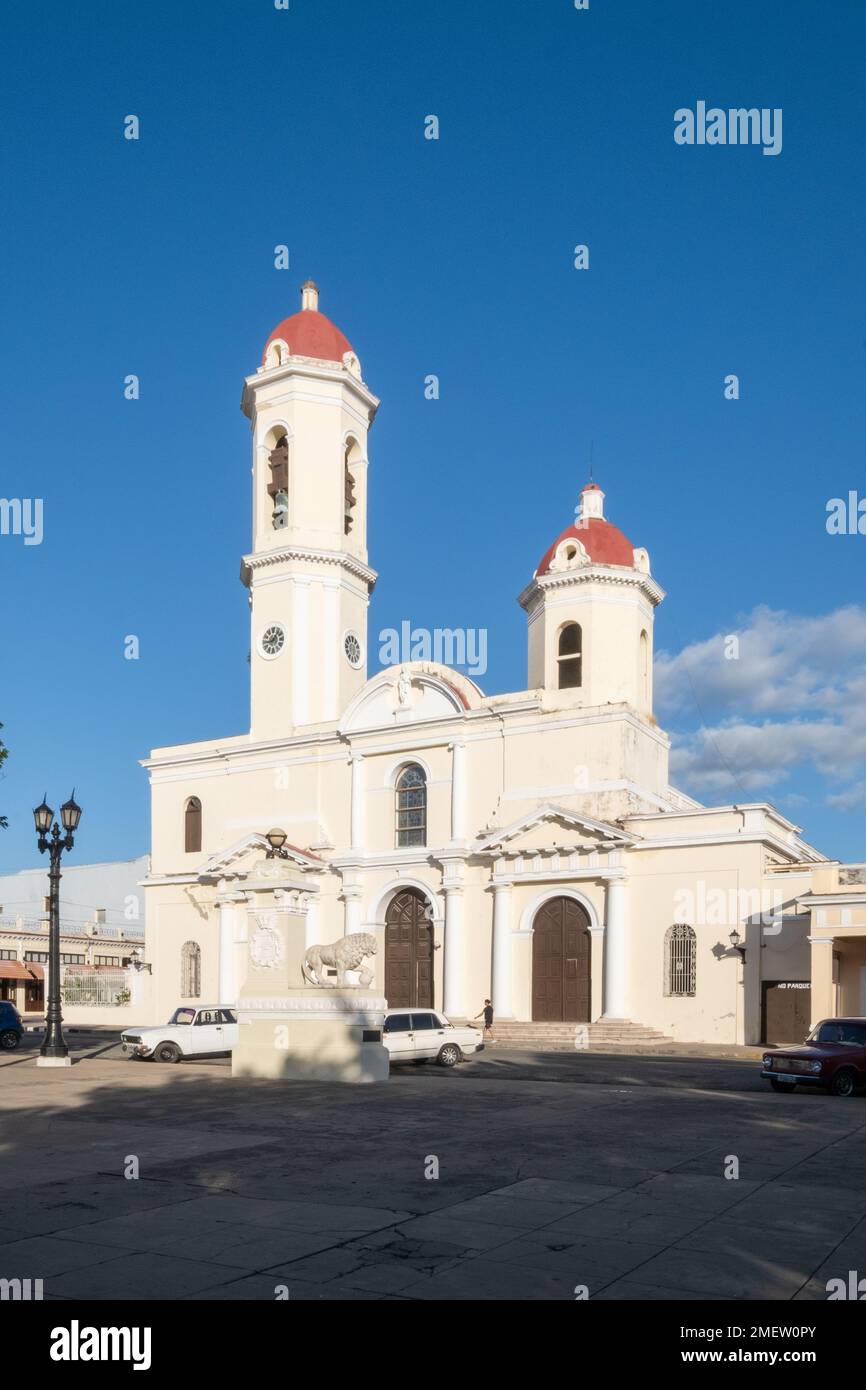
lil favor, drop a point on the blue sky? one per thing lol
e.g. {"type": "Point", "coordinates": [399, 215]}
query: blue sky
{"type": "Point", "coordinates": [453, 257]}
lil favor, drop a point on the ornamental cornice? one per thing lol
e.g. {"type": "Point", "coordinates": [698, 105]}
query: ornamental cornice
{"type": "Point", "coordinates": [605, 873]}
{"type": "Point", "coordinates": [591, 574]}
{"type": "Point", "coordinates": [261, 560]}
{"type": "Point", "coordinates": [309, 368]}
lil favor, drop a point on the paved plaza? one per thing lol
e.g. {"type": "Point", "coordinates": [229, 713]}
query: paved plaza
{"type": "Point", "coordinates": [555, 1173]}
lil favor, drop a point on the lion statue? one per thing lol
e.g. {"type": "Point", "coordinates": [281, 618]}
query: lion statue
{"type": "Point", "coordinates": [345, 954]}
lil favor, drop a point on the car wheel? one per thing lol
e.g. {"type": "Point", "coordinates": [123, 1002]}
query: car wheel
{"type": "Point", "coordinates": [781, 1085]}
{"type": "Point", "coordinates": [449, 1055]}
{"type": "Point", "coordinates": [9, 1039]}
{"type": "Point", "coordinates": [167, 1052]}
{"type": "Point", "coordinates": [843, 1084]}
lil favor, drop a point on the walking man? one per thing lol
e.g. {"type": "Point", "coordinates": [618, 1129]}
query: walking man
{"type": "Point", "coordinates": [487, 1011]}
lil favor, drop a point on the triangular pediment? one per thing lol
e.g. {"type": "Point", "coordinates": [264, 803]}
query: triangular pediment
{"type": "Point", "coordinates": [248, 856]}
{"type": "Point", "coordinates": [551, 827]}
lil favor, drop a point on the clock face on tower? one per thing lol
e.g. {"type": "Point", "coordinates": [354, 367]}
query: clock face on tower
{"type": "Point", "coordinates": [352, 649]}
{"type": "Point", "coordinates": [272, 641]}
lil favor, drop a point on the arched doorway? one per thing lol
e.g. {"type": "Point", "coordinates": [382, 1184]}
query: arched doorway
{"type": "Point", "coordinates": [561, 963]}
{"type": "Point", "coordinates": [408, 951]}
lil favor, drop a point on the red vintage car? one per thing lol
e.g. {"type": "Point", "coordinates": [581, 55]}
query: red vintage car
{"type": "Point", "coordinates": [833, 1056]}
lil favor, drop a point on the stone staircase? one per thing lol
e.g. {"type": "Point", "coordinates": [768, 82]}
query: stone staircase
{"type": "Point", "coordinates": [607, 1033]}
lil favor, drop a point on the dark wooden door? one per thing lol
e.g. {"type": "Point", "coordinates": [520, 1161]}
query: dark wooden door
{"type": "Point", "coordinates": [787, 1010]}
{"type": "Point", "coordinates": [408, 952]}
{"type": "Point", "coordinates": [561, 963]}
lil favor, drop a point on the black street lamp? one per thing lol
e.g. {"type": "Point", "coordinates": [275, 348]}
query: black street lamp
{"type": "Point", "coordinates": [54, 1052]}
{"type": "Point", "coordinates": [736, 941]}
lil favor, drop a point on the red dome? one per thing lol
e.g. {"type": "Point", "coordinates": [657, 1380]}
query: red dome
{"type": "Point", "coordinates": [604, 543]}
{"type": "Point", "coordinates": [311, 334]}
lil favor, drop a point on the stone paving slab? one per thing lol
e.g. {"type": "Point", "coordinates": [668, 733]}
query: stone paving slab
{"type": "Point", "coordinates": [553, 1173]}
{"type": "Point", "coordinates": [456, 1230]}
{"type": "Point", "coordinates": [141, 1275]}
{"type": "Point", "coordinates": [482, 1278]}
{"type": "Point", "coordinates": [38, 1257]}
{"type": "Point", "coordinates": [632, 1290]}
{"type": "Point", "coordinates": [292, 1215]}
{"type": "Point", "coordinates": [720, 1274]}
{"type": "Point", "coordinates": [576, 1259]}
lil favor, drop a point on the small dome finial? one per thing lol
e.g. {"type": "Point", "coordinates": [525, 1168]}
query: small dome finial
{"type": "Point", "coordinates": [591, 503]}
{"type": "Point", "coordinates": [309, 295]}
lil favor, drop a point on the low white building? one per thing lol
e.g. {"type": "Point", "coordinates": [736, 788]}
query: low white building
{"type": "Point", "coordinates": [101, 926]}
{"type": "Point", "coordinates": [527, 846]}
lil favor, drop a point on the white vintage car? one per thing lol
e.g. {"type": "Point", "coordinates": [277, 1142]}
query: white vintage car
{"type": "Point", "coordinates": [188, 1033]}
{"type": "Point", "coordinates": [425, 1035]}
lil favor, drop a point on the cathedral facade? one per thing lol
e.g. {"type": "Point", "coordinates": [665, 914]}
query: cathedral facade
{"type": "Point", "coordinates": [524, 847]}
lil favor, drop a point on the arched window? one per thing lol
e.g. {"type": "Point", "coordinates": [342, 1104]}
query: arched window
{"type": "Point", "coordinates": [275, 356]}
{"type": "Point", "coordinates": [352, 453]}
{"type": "Point", "coordinates": [278, 487]}
{"type": "Point", "coordinates": [681, 950]}
{"type": "Point", "coordinates": [190, 970]}
{"type": "Point", "coordinates": [570, 657]}
{"type": "Point", "coordinates": [192, 826]}
{"type": "Point", "coordinates": [644, 666]}
{"type": "Point", "coordinates": [411, 806]}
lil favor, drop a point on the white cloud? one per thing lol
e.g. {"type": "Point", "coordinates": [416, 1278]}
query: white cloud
{"type": "Point", "coordinates": [785, 663]}
{"type": "Point", "coordinates": [852, 799]}
{"type": "Point", "coordinates": [794, 698]}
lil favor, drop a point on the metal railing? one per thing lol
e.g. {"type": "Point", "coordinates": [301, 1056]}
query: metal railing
{"type": "Point", "coordinates": [102, 988]}
{"type": "Point", "coordinates": [38, 926]}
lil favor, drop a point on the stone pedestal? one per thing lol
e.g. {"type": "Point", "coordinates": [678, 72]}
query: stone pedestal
{"type": "Point", "coordinates": [293, 1030]}
{"type": "Point", "coordinates": [336, 1036]}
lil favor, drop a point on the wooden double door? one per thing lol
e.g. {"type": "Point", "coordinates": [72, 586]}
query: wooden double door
{"type": "Point", "coordinates": [787, 1011]}
{"type": "Point", "coordinates": [408, 952]}
{"type": "Point", "coordinates": [561, 963]}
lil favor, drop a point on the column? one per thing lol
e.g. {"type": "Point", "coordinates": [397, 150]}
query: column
{"type": "Point", "coordinates": [458, 791]}
{"type": "Point", "coordinates": [311, 925]}
{"type": "Point", "coordinates": [823, 1000]}
{"type": "Point", "coordinates": [455, 1006]}
{"type": "Point", "coordinates": [331, 599]}
{"type": "Point", "coordinates": [357, 803]}
{"type": "Point", "coordinates": [300, 639]}
{"type": "Point", "coordinates": [351, 908]}
{"type": "Point", "coordinates": [615, 952]}
{"type": "Point", "coordinates": [136, 980]}
{"type": "Point", "coordinates": [502, 935]}
{"type": "Point", "coordinates": [227, 986]}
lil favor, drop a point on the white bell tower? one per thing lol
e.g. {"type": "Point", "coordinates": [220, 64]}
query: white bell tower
{"type": "Point", "coordinates": [590, 608]}
{"type": "Point", "coordinates": [307, 572]}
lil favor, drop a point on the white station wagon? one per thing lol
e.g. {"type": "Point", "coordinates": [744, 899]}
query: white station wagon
{"type": "Point", "coordinates": [424, 1035]}
{"type": "Point", "coordinates": [188, 1033]}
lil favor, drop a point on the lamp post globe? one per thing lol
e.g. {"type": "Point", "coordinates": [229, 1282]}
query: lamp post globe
{"type": "Point", "coordinates": [43, 816]}
{"type": "Point", "coordinates": [49, 836]}
{"type": "Point", "coordinates": [70, 814]}
{"type": "Point", "coordinates": [276, 838]}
